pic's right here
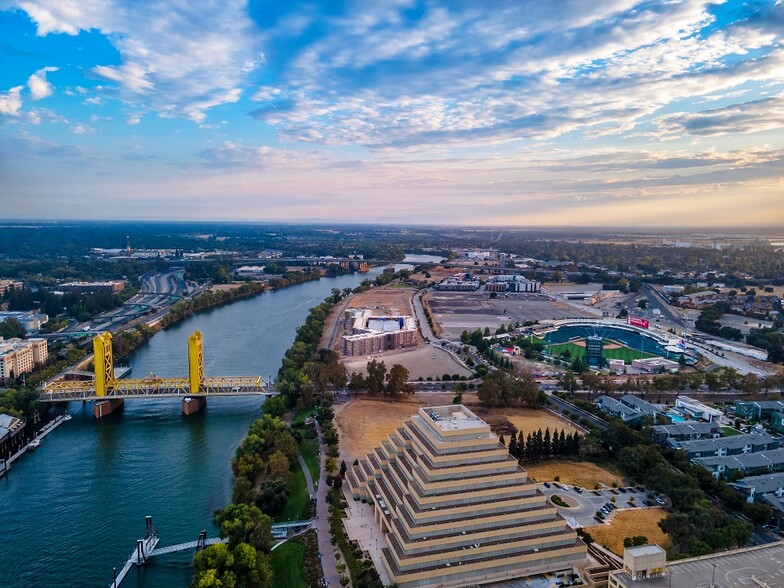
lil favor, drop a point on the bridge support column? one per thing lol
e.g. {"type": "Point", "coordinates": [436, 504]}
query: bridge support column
{"type": "Point", "coordinates": [193, 404]}
{"type": "Point", "coordinates": [102, 408]}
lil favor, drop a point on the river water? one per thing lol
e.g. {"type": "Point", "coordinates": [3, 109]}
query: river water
{"type": "Point", "coordinates": [73, 510]}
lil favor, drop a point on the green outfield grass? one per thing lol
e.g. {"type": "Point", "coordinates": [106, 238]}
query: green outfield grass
{"type": "Point", "coordinates": [286, 562]}
{"type": "Point", "coordinates": [627, 354]}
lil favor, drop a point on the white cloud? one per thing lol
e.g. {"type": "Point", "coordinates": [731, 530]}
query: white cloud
{"type": "Point", "coordinates": [11, 101]}
{"type": "Point", "coordinates": [82, 129]}
{"type": "Point", "coordinates": [181, 57]}
{"type": "Point", "coordinates": [38, 85]}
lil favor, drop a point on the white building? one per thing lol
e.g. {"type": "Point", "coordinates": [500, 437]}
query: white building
{"type": "Point", "coordinates": [696, 409]}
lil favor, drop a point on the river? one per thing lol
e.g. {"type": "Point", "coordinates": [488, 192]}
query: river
{"type": "Point", "coordinates": [73, 510]}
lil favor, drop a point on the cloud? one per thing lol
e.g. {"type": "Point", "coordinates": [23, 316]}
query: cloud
{"type": "Point", "coordinates": [11, 101]}
{"type": "Point", "coordinates": [748, 117]}
{"type": "Point", "coordinates": [38, 85]}
{"type": "Point", "coordinates": [82, 129]}
{"type": "Point", "coordinates": [178, 58]}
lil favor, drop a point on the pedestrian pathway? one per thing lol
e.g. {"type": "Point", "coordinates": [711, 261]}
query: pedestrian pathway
{"type": "Point", "coordinates": [308, 478]}
{"type": "Point", "coordinates": [328, 561]}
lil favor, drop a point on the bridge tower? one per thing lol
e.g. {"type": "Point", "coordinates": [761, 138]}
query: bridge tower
{"type": "Point", "coordinates": [195, 374]}
{"type": "Point", "coordinates": [195, 362]}
{"type": "Point", "coordinates": [104, 363]}
{"type": "Point", "coordinates": [104, 376]}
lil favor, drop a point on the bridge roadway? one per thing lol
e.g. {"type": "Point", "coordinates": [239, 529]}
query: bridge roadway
{"type": "Point", "coordinates": [67, 391]}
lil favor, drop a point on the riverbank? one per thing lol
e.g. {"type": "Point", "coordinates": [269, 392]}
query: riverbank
{"type": "Point", "coordinates": [128, 341]}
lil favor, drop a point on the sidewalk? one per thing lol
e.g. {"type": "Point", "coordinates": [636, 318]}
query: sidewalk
{"type": "Point", "coordinates": [328, 561]}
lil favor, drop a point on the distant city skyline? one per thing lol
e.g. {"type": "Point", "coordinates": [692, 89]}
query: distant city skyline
{"type": "Point", "coordinates": [601, 113]}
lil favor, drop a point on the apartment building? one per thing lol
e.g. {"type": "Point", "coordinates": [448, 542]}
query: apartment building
{"type": "Point", "coordinates": [19, 356]}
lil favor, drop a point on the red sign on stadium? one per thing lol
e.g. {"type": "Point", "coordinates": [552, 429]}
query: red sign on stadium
{"type": "Point", "coordinates": [638, 322]}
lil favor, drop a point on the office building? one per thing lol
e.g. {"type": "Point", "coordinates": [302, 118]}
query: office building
{"type": "Point", "coordinates": [456, 509]}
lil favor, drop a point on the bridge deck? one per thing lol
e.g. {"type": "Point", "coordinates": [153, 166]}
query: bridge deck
{"type": "Point", "coordinates": [185, 546]}
{"type": "Point", "coordinates": [65, 391]}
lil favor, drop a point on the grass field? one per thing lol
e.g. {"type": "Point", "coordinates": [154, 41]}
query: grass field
{"type": "Point", "coordinates": [579, 473]}
{"type": "Point", "coordinates": [630, 523]}
{"type": "Point", "coordinates": [298, 505]}
{"type": "Point", "coordinates": [309, 448]}
{"type": "Point", "coordinates": [730, 432]}
{"type": "Point", "coordinates": [286, 563]}
{"type": "Point", "coordinates": [627, 354]}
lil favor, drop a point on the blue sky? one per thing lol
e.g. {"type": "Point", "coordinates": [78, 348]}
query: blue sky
{"type": "Point", "coordinates": [570, 112]}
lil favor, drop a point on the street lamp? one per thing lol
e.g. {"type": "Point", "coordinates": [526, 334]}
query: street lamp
{"type": "Point", "coordinates": [713, 577]}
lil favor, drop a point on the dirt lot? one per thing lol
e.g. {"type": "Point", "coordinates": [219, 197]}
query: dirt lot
{"type": "Point", "coordinates": [629, 523]}
{"type": "Point", "coordinates": [529, 420]}
{"type": "Point", "coordinates": [578, 473]}
{"type": "Point", "coordinates": [422, 362]}
{"type": "Point", "coordinates": [458, 311]}
{"type": "Point", "coordinates": [390, 299]}
{"type": "Point", "coordinates": [364, 421]}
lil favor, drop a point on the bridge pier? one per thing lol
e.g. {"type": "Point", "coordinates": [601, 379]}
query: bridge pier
{"type": "Point", "coordinates": [193, 404]}
{"type": "Point", "coordinates": [102, 408]}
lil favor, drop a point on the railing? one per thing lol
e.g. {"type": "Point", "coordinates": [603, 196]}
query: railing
{"type": "Point", "coordinates": [62, 391]}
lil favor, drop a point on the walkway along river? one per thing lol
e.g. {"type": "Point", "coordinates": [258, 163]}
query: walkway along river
{"type": "Point", "coordinates": [73, 510]}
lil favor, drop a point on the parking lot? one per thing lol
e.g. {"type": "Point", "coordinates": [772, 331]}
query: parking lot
{"type": "Point", "coordinates": [591, 502]}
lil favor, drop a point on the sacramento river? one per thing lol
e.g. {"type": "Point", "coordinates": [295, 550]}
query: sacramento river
{"type": "Point", "coordinates": [73, 510]}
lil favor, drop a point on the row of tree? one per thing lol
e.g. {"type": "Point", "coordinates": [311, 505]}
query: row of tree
{"type": "Point", "coordinates": [379, 381]}
{"type": "Point", "coordinates": [539, 447]}
{"type": "Point", "coordinates": [501, 388]}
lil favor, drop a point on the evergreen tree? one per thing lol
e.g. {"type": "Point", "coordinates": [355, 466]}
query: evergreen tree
{"type": "Point", "coordinates": [513, 447]}
{"type": "Point", "coordinates": [576, 444]}
{"type": "Point", "coordinates": [562, 443]}
{"type": "Point", "coordinates": [547, 447]}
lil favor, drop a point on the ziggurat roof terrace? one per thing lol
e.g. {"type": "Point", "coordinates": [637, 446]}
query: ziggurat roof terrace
{"type": "Point", "coordinates": [455, 508]}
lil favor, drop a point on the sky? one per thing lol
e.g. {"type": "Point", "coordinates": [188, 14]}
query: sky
{"type": "Point", "coordinates": [499, 113]}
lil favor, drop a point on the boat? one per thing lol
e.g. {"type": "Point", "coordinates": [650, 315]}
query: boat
{"type": "Point", "coordinates": [67, 417]}
{"type": "Point", "coordinates": [33, 445]}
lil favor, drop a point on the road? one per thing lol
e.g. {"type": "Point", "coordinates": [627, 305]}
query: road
{"type": "Point", "coordinates": [328, 561]}
{"type": "Point", "coordinates": [657, 301]}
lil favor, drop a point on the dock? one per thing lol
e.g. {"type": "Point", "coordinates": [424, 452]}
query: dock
{"type": "Point", "coordinates": [48, 428]}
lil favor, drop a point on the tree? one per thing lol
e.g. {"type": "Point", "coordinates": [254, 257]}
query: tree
{"type": "Point", "coordinates": [272, 496]}
{"type": "Point", "coordinates": [397, 381]}
{"type": "Point", "coordinates": [241, 523]}
{"type": "Point", "coordinates": [357, 382]}
{"type": "Point", "coordinates": [489, 392]}
{"type": "Point", "coordinates": [376, 374]}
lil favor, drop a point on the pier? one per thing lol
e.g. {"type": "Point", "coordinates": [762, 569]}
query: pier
{"type": "Point", "coordinates": [147, 547]}
{"type": "Point", "coordinates": [48, 428]}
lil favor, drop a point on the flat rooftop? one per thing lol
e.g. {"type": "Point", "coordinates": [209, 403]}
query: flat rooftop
{"type": "Point", "coordinates": [742, 568]}
{"type": "Point", "coordinates": [453, 418]}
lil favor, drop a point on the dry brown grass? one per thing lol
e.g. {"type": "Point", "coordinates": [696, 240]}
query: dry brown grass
{"type": "Point", "coordinates": [529, 420]}
{"type": "Point", "coordinates": [365, 422]}
{"type": "Point", "coordinates": [628, 523]}
{"type": "Point", "coordinates": [576, 473]}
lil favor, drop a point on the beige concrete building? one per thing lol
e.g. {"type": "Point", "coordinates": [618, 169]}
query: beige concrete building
{"type": "Point", "coordinates": [19, 356]}
{"type": "Point", "coordinates": [374, 334]}
{"type": "Point", "coordinates": [456, 509]}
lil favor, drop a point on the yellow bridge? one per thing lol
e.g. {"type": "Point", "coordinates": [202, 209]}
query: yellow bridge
{"type": "Point", "coordinates": [106, 387]}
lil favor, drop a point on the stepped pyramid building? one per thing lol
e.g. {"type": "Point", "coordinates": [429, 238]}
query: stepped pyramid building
{"type": "Point", "coordinates": [455, 508]}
